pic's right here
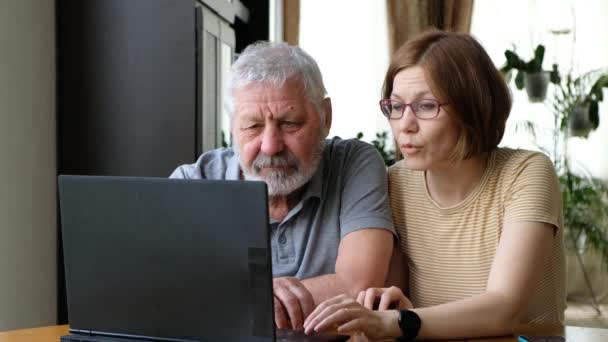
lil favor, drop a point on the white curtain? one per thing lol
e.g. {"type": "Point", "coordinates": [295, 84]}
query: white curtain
{"type": "Point", "coordinates": [349, 40]}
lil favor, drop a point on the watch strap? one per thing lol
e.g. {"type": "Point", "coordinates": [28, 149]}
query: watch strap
{"type": "Point", "coordinates": [409, 323]}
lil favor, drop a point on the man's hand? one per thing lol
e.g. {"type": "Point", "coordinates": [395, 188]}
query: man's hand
{"type": "Point", "coordinates": [292, 303]}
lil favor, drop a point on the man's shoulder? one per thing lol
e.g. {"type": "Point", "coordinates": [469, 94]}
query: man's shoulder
{"type": "Point", "coordinates": [337, 143]}
{"type": "Point", "coordinates": [222, 153]}
{"type": "Point", "coordinates": [339, 150]}
{"type": "Point", "coordinates": [354, 163]}
{"type": "Point", "coordinates": [213, 164]}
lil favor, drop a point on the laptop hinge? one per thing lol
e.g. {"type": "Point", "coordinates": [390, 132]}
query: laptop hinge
{"type": "Point", "coordinates": [81, 331]}
{"type": "Point", "coordinates": [127, 336]}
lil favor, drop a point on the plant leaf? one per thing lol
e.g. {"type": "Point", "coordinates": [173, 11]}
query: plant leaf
{"type": "Point", "coordinates": [513, 60]}
{"type": "Point", "coordinates": [564, 123]}
{"type": "Point", "coordinates": [599, 94]}
{"type": "Point", "coordinates": [594, 116]}
{"type": "Point", "coordinates": [554, 75]}
{"type": "Point", "coordinates": [536, 64]}
{"type": "Point", "coordinates": [508, 75]}
{"type": "Point", "coordinates": [519, 80]}
{"type": "Point", "coordinates": [597, 90]}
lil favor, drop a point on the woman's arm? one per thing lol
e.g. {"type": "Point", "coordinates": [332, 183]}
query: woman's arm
{"type": "Point", "coordinates": [518, 266]}
{"type": "Point", "coordinates": [521, 257]}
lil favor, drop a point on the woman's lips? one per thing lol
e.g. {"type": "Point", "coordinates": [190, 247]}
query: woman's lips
{"type": "Point", "coordinates": [409, 149]}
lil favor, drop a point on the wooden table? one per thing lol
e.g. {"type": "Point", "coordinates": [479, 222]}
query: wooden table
{"type": "Point", "coordinates": [45, 334]}
{"type": "Point", "coordinates": [578, 334]}
{"type": "Point", "coordinates": [572, 334]}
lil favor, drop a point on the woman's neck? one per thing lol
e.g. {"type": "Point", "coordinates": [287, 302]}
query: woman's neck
{"type": "Point", "coordinates": [452, 183]}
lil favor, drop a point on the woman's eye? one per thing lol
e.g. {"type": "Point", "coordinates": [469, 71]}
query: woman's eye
{"type": "Point", "coordinates": [427, 106]}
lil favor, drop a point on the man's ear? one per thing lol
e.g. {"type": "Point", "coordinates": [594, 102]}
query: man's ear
{"type": "Point", "coordinates": [327, 110]}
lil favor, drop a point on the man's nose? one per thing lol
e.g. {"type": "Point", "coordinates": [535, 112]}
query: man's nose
{"type": "Point", "coordinates": [272, 141]}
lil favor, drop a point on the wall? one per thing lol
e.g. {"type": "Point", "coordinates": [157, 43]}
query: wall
{"type": "Point", "coordinates": [27, 164]}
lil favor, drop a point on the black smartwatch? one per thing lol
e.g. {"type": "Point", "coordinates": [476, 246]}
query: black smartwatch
{"type": "Point", "coordinates": [409, 323]}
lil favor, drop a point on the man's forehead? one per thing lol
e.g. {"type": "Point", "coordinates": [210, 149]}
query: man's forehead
{"type": "Point", "coordinates": [257, 97]}
{"type": "Point", "coordinates": [288, 88]}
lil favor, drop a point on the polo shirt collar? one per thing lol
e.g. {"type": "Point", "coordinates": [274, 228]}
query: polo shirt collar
{"type": "Point", "coordinates": [233, 169]}
{"type": "Point", "coordinates": [315, 184]}
{"type": "Point", "coordinates": [314, 187]}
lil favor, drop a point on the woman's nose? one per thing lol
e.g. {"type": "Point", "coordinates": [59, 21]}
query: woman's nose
{"type": "Point", "coordinates": [408, 122]}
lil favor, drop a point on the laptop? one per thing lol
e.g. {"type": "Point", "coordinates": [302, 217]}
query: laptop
{"type": "Point", "coordinates": [156, 259]}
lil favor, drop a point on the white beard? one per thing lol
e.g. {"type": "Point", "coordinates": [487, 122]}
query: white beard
{"type": "Point", "coordinates": [282, 183]}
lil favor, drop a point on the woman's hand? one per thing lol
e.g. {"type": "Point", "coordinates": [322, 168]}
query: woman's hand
{"type": "Point", "coordinates": [384, 298]}
{"type": "Point", "coordinates": [345, 315]}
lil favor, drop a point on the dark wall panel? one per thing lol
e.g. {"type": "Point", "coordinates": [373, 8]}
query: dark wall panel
{"type": "Point", "coordinates": [257, 27]}
{"type": "Point", "coordinates": [125, 91]}
{"type": "Point", "coordinates": [126, 79]}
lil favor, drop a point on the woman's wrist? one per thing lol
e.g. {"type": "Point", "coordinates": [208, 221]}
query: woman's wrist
{"type": "Point", "coordinates": [390, 319]}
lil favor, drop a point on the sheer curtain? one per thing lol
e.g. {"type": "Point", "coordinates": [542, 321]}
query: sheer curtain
{"type": "Point", "coordinates": [408, 18]}
{"type": "Point", "coordinates": [349, 40]}
{"type": "Point", "coordinates": [291, 21]}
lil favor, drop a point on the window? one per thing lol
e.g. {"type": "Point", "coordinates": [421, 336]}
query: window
{"type": "Point", "coordinates": [351, 48]}
{"type": "Point", "coordinates": [500, 24]}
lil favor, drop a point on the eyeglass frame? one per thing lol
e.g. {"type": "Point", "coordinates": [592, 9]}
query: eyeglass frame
{"type": "Point", "coordinates": [439, 104]}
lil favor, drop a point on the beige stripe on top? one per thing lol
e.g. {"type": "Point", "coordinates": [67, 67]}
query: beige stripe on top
{"type": "Point", "coordinates": [450, 250]}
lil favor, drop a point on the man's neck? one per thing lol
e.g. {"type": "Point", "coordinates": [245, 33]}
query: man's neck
{"type": "Point", "coordinates": [452, 184]}
{"type": "Point", "coordinates": [279, 206]}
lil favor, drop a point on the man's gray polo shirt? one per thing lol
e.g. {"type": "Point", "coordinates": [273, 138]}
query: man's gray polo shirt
{"type": "Point", "coordinates": [348, 192]}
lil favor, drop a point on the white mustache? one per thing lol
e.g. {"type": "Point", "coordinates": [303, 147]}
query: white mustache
{"type": "Point", "coordinates": [283, 160]}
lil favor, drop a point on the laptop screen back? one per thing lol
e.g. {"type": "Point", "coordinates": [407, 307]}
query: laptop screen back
{"type": "Point", "coordinates": [165, 258]}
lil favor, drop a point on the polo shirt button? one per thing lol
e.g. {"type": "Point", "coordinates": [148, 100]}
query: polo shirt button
{"type": "Point", "coordinates": [282, 239]}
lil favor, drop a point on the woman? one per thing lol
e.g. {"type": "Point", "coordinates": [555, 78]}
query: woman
{"type": "Point", "coordinates": [480, 226]}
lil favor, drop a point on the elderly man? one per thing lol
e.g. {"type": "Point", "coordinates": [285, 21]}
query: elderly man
{"type": "Point", "coordinates": [331, 224]}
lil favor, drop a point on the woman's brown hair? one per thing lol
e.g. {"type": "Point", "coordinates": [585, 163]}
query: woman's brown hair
{"type": "Point", "coordinates": [459, 72]}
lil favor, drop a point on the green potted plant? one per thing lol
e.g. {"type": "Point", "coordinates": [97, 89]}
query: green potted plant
{"type": "Point", "coordinates": [585, 203]}
{"type": "Point", "coordinates": [575, 107]}
{"type": "Point", "coordinates": [381, 144]}
{"type": "Point", "coordinates": [577, 101]}
{"type": "Point", "coordinates": [585, 212]}
{"type": "Point", "coordinates": [530, 74]}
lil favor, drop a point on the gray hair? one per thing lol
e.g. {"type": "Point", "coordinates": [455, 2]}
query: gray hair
{"type": "Point", "coordinates": [274, 64]}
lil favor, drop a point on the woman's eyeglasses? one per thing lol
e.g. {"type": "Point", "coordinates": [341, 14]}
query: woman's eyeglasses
{"type": "Point", "coordinates": [423, 109]}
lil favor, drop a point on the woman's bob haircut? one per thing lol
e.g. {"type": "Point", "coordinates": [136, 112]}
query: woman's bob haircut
{"type": "Point", "coordinates": [459, 72]}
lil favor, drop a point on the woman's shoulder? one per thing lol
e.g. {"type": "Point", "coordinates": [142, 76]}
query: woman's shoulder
{"type": "Point", "coordinates": [510, 160]}
{"type": "Point", "coordinates": [518, 168]}
{"type": "Point", "coordinates": [404, 182]}
{"type": "Point", "coordinates": [400, 172]}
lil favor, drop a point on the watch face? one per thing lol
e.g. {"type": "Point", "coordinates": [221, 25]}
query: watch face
{"type": "Point", "coordinates": [409, 322]}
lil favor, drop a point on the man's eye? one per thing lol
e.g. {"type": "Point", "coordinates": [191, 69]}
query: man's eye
{"type": "Point", "coordinates": [252, 126]}
{"type": "Point", "coordinates": [290, 124]}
